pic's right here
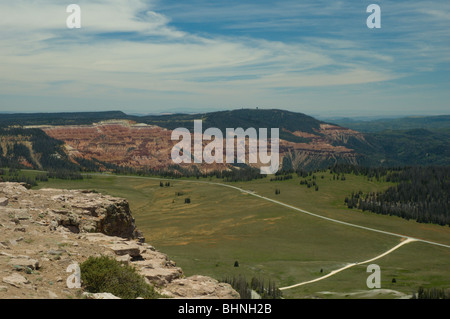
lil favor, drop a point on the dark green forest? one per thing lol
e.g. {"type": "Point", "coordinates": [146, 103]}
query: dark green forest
{"type": "Point", "coordinates": [421, 194]}
{"type": "Point", "coordinates": [405, 123]}
{"type": "Point", "coordinates": [50, 151]}
{"type": "Point", "coordinates": [432, 293]}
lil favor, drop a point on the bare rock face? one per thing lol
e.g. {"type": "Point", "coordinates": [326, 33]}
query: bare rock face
{"type": "Point", "coordinates": [199, 287]}
{"type": "Point", "coordinates": [161, 276]}
{"type": "Point", "coordinates": [85, 211]}
{"type": "Point", "coordinates": [16, 280]}
{"type": "Point", "coordinates": [124, 249]}
{"type": "Point", "coordinates": [104, 295]}
{"type": "Point", "coordinates": [24, 262]}
{"type": "Point", "coordinates": [116, 220]}
{"type": "Point", "coordinates": [43, 232]}
{"type": "Point", "coordinates": [4, 201]}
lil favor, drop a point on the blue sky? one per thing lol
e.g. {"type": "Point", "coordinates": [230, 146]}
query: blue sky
{"type": "Point", "coordinates": [148, 56]}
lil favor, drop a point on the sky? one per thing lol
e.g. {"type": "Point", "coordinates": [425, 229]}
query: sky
{"type": "Point", "coordinates": [163, 56]}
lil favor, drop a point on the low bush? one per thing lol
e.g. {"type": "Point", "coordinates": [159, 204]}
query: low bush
{"type": "Point", "coordinates": [105, 274]}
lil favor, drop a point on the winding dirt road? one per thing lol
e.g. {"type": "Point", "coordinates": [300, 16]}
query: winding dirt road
{"type": "Point", "coordinates": [405, 239]}
{"type": "Point", "coordinates": [334, 272]}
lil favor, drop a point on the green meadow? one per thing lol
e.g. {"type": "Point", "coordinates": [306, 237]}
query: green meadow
{"type": "Point", "coordinates": [222, 225]}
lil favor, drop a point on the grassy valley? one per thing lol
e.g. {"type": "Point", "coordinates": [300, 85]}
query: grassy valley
{"type": "Point", "coordinates": [222, 225]}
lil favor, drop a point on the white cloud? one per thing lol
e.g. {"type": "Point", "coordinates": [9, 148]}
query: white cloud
{"type": "Point", "coordinates": [97, 16]}
{"type": "Point", "coordinates": [39, 56]}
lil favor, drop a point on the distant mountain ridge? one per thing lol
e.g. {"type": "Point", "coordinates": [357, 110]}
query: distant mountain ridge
{"type": "Point", "coordinates": [65, 118]}
{"type": "Point", "coordinates": [305, 142]}
{"type": "Point", "coordinates": [244, 118]}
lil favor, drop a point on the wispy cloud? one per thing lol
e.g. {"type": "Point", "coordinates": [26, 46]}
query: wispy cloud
{"type": "Point", "coordinates": [147, 54]}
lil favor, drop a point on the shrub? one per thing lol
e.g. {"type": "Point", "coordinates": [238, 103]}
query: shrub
{"type": "Point", "coordinates": [105, 274]}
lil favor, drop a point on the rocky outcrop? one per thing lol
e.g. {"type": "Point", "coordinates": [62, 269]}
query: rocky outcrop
{"type": "Point", "coordinates": [4, 201]}
{"type": "Point", "coordinates": [199, 287]}
{"type": "Point", "coordinates": [155, 266]}
{"type": "Point", "coordinates": [78, 211]}
{"type": "Point", "coordinates": [15, 280]}
{"type": "Point", "coordinates": [44, 231]}
{"type": "Point", "coordinates": [103, 295]}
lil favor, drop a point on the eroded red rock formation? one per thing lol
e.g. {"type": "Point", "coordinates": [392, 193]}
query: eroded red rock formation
{"type": "Point", "coordinates": [147, 146]}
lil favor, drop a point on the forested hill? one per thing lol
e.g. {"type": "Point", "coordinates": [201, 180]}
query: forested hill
{"type": "Point", "coordinates": [414, 147]}
{"type": "Point", "coordinates": [439, 122]}
{"type": "Point", "coordinates": [414, 140]}
{"type": "Point", "coordinates": [75, 118]}
{"type": "Point", "coordinates": [32, 148]}
{"type": "Point", "coordinates": [425, 142]}
{"type": "Point", "coordinates": [245, 118]}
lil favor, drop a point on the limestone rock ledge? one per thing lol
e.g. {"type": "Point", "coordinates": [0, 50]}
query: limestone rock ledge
{"type": "Point", "coordinates": [44, 231]}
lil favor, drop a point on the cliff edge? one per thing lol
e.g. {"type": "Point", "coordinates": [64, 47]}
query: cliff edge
{"type": "Point", "coordinates": [43, 232]}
